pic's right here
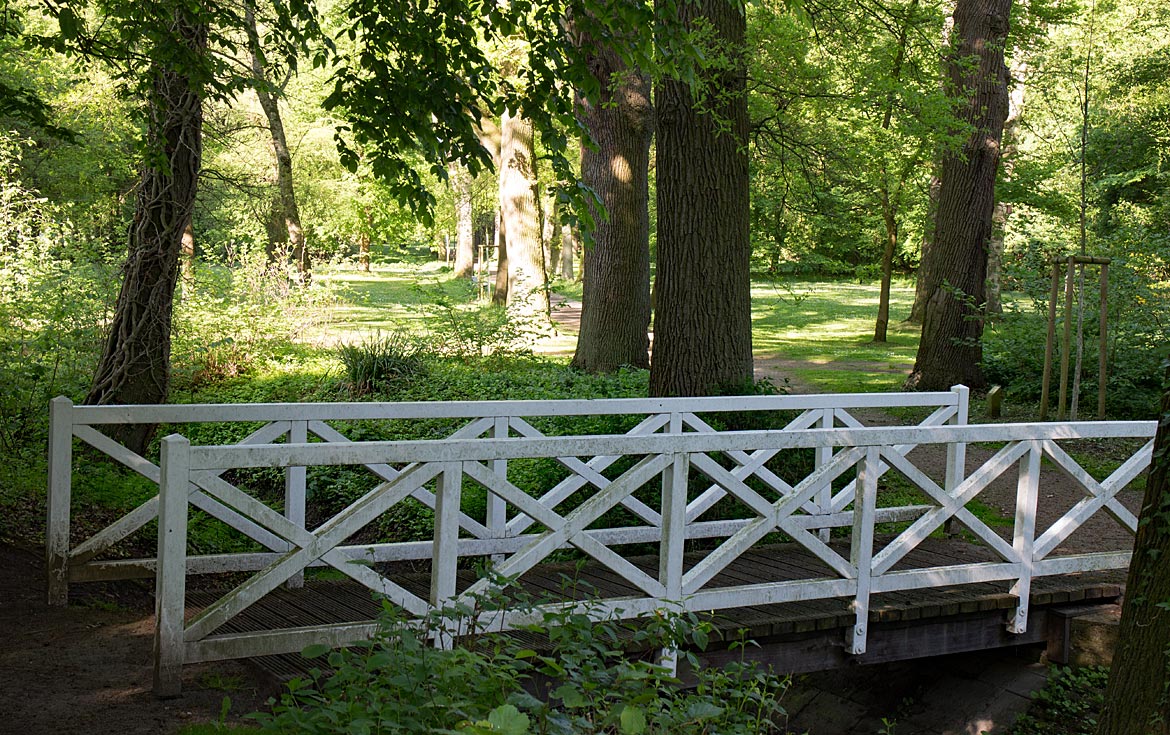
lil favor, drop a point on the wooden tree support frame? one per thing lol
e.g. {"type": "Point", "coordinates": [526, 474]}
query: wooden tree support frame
{"type": "Point", "coordinates": [1070, 263]}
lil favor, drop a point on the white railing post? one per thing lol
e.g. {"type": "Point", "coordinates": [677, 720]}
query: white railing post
{"type": "Point", "coordinates": [294, 492]}
{"type": "Point", "coordinates": [171, 574]}
{"type": "Point", "coordinates": [1024, 534]}
{"type": "Point", "coordinates": [497, 509]}
{"type": "Point", "coordinates": [957, 452]}
{"type": "Point", "coordinates": [60, 493]}
{"type": "Point", "coordinates": [672, 546]}
{"type": "Point", "coordinates": [861, 545]}
{"type": "Point", "coordinates": [445, 549]}
{"type": "Point", "coordinates": [824, 497]}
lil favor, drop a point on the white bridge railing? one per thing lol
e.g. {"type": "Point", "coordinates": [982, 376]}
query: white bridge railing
{"type": "Point", "coordinates": [88, 559]}
{"type": "Point", "coordinates": [666, 468]}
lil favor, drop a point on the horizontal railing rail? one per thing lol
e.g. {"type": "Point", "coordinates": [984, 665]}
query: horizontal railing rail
{"type": "Point", "coordinates": [297, 424]}
{"type": "Point", "coordinates": [658, 474]}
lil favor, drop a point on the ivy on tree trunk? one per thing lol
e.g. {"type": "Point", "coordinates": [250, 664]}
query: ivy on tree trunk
{"type": "Point", "coordinates": [135, 362]}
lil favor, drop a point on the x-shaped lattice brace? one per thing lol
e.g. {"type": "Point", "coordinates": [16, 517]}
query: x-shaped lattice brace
{"type": "Point", "coordinates": [570, 528]}
{"type": "Point", "coordinates": [1100, 495]}
{"type": "Point", "coordinates": [311, 546]}
{"type": "Point", "coordinates": [148, 511]}
{"type": "Point", "coordinates": [770, 516]}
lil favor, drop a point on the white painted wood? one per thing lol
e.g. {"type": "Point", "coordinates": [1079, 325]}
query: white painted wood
{"type": "Point", "coordinates": [1092, 562]}
{"type": "Point", "coordinates": [1024, 533]}
{"type": "Point", "coordinates": [861, 546]}
{"type": "Point", "coordinates": [590, 475]}
{"type": "Point", "coordinates": [497, 510]}
{"type": "Point", "coordinates": [294, 492]}
{"type": "Point", "coordinates": [950, 504]}
{"type": "Point", "coordinates": [957, 451]}
{"type": "Point", "coordinates": [824, 497]}
{"type": "Point", "coordinates": [930, 577]}
{"type": "Point", "coordinates": [171, 581]}
{"type": "Point", "coordinates": [59, 500]}
{"type": "Point", "coordinates": [674, 527]}
{"type": "Point", "coordinates": [571, 484]}
{"type": "Point", "coordinates": [211, 413]}
{"type": "Point", "coordinates": [1101, 495]}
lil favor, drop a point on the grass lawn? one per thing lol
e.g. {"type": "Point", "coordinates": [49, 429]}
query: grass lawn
{"type": "Point", "coordinates": [818, 333]}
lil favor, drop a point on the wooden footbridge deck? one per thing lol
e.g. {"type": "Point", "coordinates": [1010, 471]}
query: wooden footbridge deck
{"type": "Point", "coordinates": [859, 578]}
{"type": "Point", "coordinates": [795, 637]}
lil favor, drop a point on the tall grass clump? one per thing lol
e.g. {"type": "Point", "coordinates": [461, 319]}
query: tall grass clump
{"type": "Point", "coordinates": [380, 361]}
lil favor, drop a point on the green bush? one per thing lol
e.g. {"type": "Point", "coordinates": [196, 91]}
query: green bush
{"type": "Point", "coordinates": [578, 679]}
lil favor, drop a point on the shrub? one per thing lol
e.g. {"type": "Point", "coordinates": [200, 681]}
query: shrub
{"type": "Point", "coordinates": [579, 678]}
{"type": "Point", "coordinates": [1069, 704]}
{"type": "Point", "coordinates": [380, 361]}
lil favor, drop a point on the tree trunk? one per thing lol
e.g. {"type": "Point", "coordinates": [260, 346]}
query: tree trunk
{"type": "Point", "coordinates": [364, 239]}
{"type": "Point", "coordinates": [889, 200]}
{"type": "Point", "coordinates": [187, 254]}
{"type": "Point", "coordinates": [286, 210]}
{"type": "Point", "coordinates": [1137, 699]}
{"type": "Point", "coordinates": [951, 348]}
{"type": "Point", "coordinates": [500, 294]}
{"type": "Point", "coordinates": [135, 362]}
{"type": "Point", "coordinates": [615, 297]}
{"type": "Point", "coordinates": [702, 328]}
{"type": "Point", "coordinates": [567, 246]}
{"type": "Point", "coordinates": [1019, 73]}
{"type": "Point", "coordinates": [999, 217]}
{"type": "Point", "coordinates": [464, 225]}
{"type": "Point", "coordinates": [521, 223]}
{"type": "Point", "coordinates": [889, 217]}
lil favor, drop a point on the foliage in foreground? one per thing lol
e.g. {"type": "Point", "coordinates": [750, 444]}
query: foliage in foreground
{"type": "Point", "coordinates": [575, 680]}
{"type": "Point", "coordinates": [1069, 704]}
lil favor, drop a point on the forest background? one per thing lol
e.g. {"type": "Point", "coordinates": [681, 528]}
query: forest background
{"type": "Point", "coordinates": [849, 116]}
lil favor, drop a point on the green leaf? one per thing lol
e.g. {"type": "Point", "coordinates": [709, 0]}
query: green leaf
{"type": "Point", "coordinates": [632, 721]}
{"type": "Point", "coordinates": [316, 650]}
{"type": "Point", "coordinates": [509, 720]}
{"type": "Point", "coordinates": [570, 696]}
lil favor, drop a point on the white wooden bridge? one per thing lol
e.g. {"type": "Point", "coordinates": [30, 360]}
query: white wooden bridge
{"type": "Point", "coordinates": [703, 510]}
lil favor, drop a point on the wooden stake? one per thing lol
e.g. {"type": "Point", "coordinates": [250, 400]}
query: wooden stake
{"type": "Point", "coordinates": [1102, 371]}
{"type": "Point", "coordinates": [1067, 338]}
{"type": "Point", "coordinates": [1046, 383]}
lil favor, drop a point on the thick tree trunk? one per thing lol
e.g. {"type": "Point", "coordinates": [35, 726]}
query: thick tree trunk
{"type": "Point", "coordinates": [1019, 74]}
{"type": "Point", "coordinates": [464, 225]}
{"type": "Point", "coordinates": [135, 363]}
{"type": "Point", "coordinates": [1137, 699]}
{"type": "Point", "coordinates": [286, 198]}
{"type": "Point", "coordinates": [951, 348]}
{"type": "Point", "coordinates": [615, 298]}
{"type": "Point", "coordinates": [702, 327]}
{"type": "Point", "coordinates": [521, 221]}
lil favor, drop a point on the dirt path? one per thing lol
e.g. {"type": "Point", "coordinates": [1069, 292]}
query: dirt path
{"type": "Point", "coordinates": [86, 669]}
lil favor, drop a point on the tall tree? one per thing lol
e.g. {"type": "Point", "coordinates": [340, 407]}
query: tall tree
{"type": "Point", "coordinates": [702, 327]}
{"type": "Point", "coordinates": [286, 216]}
{"type": "Point", "coordinates": [1137, 699]}
{"type": "Point", "coordinates": [615, 296]}
{"type": "Point", "coordinates": [135, 364]}
{"type": "Point", "coordinates": [461, 181]}
{"type": "Point", "coordinates": [951, 349]}
{"type": "Point", "coordinates": [527, 279]}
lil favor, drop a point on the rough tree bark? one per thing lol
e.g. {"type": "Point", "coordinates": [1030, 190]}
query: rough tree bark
{"type": "Point", "coordinates": [285, 210]}
{"type": "Point", "coordinates": [1003, 210]}
{"type": "Point", "coordinates": [135, 362]}
{"type": "Point", "coordinates": [521, 220]}
{"type": "Point", "coordinates": [567, 247]}
{"type": "Point", "coordinates": [464, 225]}
{"type": "Point", "coordinates": [951, 348]}
{"type": "Point", "coordinates": [615, 297]}
{"type": "Point", "coordinates": [1137, 699]}
{"type": "Point", "coordinates": [500, 293]}
{"type": "Point", "coordinates": [702, 323]}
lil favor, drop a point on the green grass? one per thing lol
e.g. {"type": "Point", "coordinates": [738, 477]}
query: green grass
{"type": "Point", "coordinates": [825, 329]}
{"type": "Point", "coordinates": [821, 332]}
